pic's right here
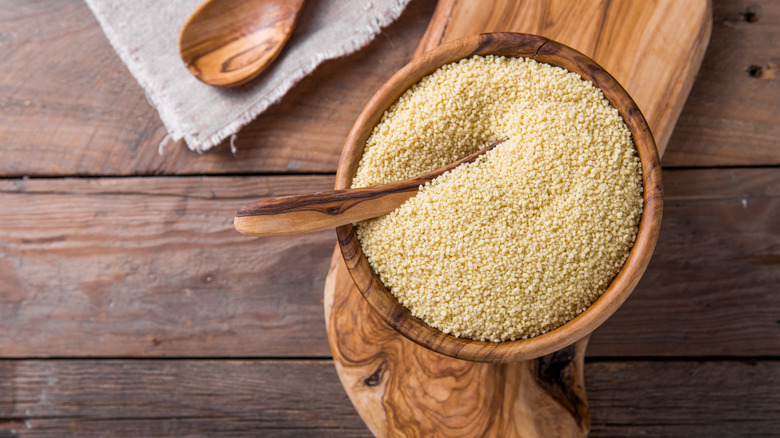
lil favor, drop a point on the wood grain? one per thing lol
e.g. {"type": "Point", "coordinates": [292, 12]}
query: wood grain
{"type": "Point", "coordinates": [402, 389]}
{"type": "Point", "coordinates": [229, 44]}
{"type": "Point", "coordinates": [121, 266]}
{"type": "Point", "coordinates": [71, 108]}
{"type": "Point", "coordinates": [638, 399]}
{"type": "Point", "coordinates": [303, 398]}
{"type": "Point", "coordinates": [153, 267]}
{"type": "Point", "coordinates": [173, 398]}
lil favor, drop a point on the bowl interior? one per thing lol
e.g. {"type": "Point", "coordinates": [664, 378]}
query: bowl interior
{"type": "Point", "coordinates": [542, 50]}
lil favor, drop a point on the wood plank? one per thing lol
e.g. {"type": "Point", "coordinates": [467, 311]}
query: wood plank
{"type": "Point", "coordinates": [731, 117]}
{"type": "Point", "coordinates": [304, 398]}
{"type": "Point", "coordinates": [153, 267]}
{"type": "Point", "coordinates": [674, 399]}
{"type": "Point", "coordinates": [71, 108]}
{"type": "Point", "coordinates": [174, 398]}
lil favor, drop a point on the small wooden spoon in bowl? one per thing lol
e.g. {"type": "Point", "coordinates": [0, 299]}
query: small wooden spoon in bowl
{"type": "Point", "coordinates": [298, 214]}
{"type": "Point", "coordinates": [226, 43]}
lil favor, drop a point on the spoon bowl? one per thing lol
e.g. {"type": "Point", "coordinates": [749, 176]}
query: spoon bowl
{"type": "Point", "coordinates": [226, 43]}
{"type": "Point", "coordinates": [542, 50]}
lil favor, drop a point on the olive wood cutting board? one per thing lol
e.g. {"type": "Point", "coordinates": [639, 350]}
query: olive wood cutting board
{"type": "Point", "coordinates": [654, 49]}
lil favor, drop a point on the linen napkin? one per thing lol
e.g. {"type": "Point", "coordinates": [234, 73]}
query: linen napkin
{"type": "Point", "coordinates": [145, 35]}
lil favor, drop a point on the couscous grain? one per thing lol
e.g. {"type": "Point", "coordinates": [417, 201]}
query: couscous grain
{"type": "Point", "coordinates": [529, 235]}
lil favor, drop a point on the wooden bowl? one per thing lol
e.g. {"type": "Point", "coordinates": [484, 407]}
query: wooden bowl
{"type": "Point", "coordinates": [543, 50]}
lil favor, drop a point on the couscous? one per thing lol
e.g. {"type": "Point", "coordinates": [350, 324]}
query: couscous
{"type": "Point", "coordinates": [528, 236]}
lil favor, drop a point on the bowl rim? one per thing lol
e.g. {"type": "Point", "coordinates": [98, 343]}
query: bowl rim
{"type": "Point", "coordinates": [541, 49]}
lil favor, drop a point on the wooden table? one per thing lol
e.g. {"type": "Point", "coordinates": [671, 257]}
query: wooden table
{"type": "Point", "coordinates": [129, 306]}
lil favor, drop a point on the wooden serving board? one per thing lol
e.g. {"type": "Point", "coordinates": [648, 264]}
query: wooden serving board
{"type": "Point", "coordinates": [654, 49]}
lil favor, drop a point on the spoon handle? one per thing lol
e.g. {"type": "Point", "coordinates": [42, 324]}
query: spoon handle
{"type": "Point", "coordinates": [319, 211]}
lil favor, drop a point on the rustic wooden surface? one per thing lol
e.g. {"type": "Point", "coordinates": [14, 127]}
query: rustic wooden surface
{"type": "Point", "coordinates": [68, 290]}
{"type": "Point", "coordinates": [129, 307]}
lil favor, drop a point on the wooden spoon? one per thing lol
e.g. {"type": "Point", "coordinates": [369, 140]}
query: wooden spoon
{"type": "Point", "coordinates": [319, 211]}
{"type": "Point", "coordinates": [228, 42]}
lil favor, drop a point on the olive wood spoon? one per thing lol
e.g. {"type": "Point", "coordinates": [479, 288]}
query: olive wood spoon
{"type": "Point", "coordinates": [226, 43]}
{"type": "Point", "coordinates": [319, 211]}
